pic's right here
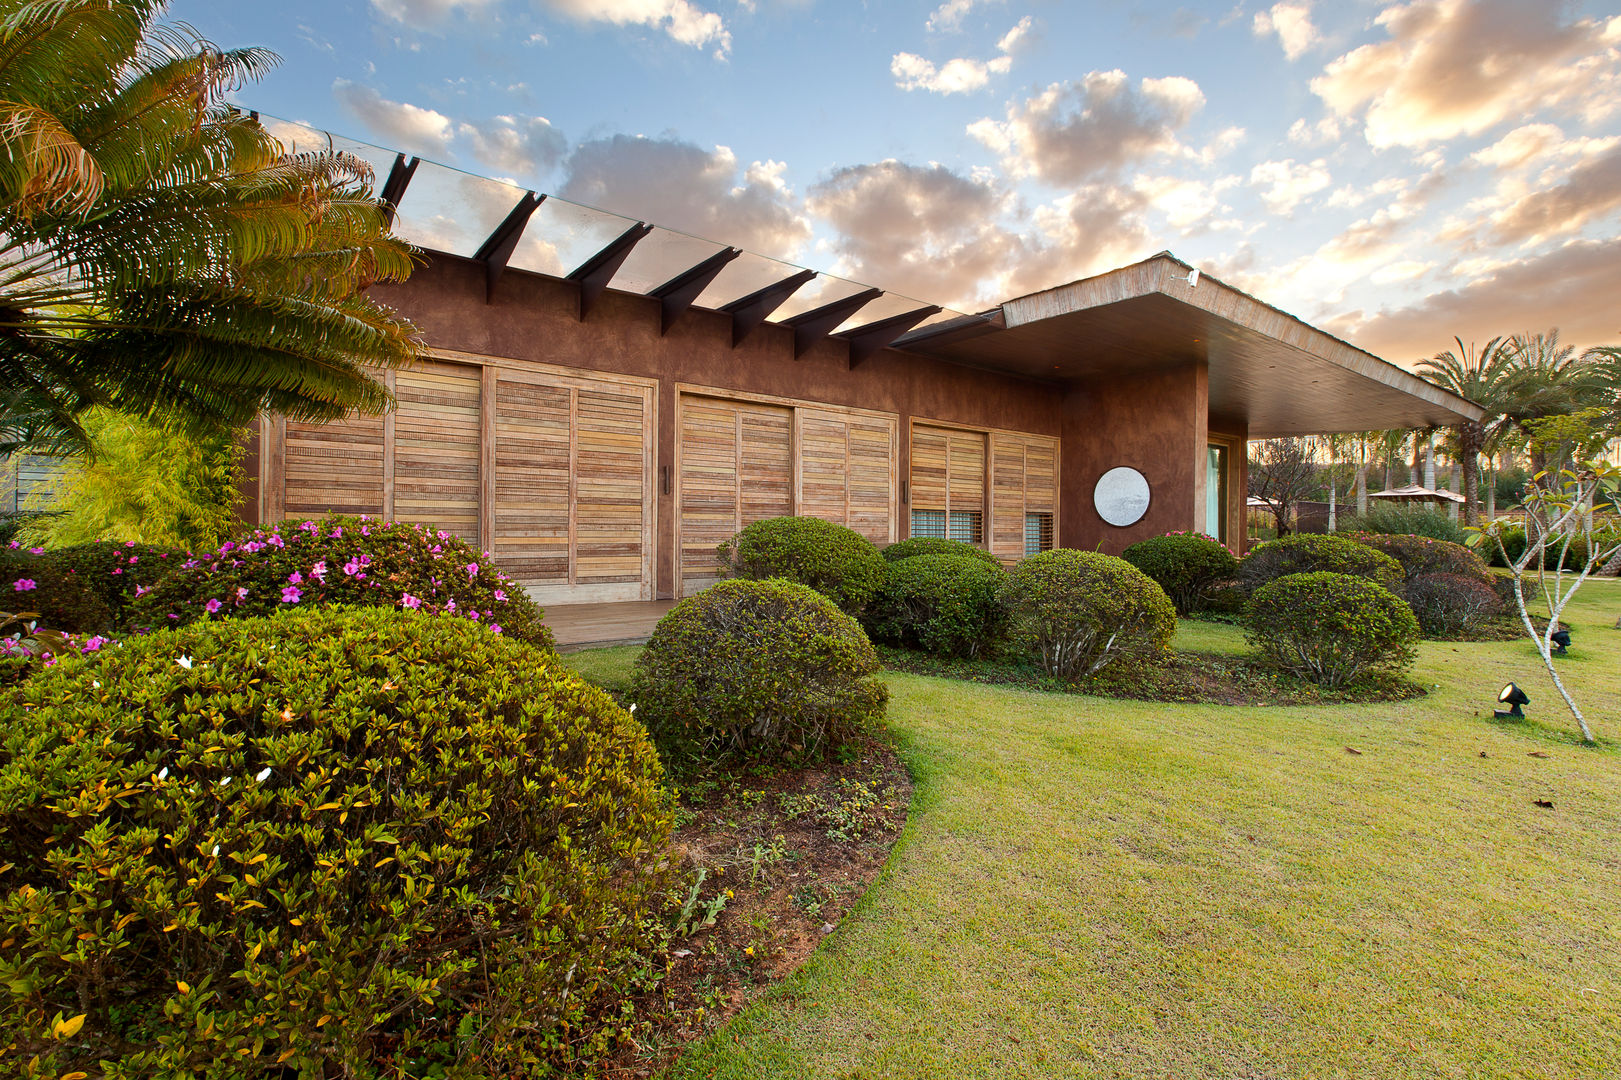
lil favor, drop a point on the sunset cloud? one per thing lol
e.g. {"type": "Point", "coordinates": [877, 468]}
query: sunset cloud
{"type": "Point", "coordinates": [399, 125]}
{"type": "Point", "coordinates": [1291, 21]}
{"type": "Point", "coordinates": [960, 75]}
{"type": "Point", "coordinates": [682, 21]}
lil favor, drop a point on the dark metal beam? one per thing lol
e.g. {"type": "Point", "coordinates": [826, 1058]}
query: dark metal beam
{"type": "Point", "coordinates": [679, 292]}
{"type": "Point", "coordinates": [498, 247]}
{"type": "Point", "coordinates": [868, 339]}
{"type": "Point", "coordinates": [594, 274]}
{"type": "Point", "coordinates": [750, 311]}
{"type": "Point", "coordinates": [814, 325]}
{"type": "Point", "coordinates": [394, 187]}
{"type": "Point", "coordinates": [962, 328]}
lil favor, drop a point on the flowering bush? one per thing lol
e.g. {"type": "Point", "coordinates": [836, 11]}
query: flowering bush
{"type": "Point", "coordinates": [112, 572]}
{"type": "Point", "coordinates": [343, 560]}
{"type": "Point", "coordinates": [1421, 555]}
{"type": "Point", "coordinates": [1188, 566]}
{"type": "Point", "coordinates": [342, 842]}
{"type": "Point", "coordinates": [30, 584]}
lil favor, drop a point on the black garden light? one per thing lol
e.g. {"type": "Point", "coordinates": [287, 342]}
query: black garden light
{"type": "Point", "coordinates": [1513, 697]}
{"type": "Point", "coordinates": [1561, 641]}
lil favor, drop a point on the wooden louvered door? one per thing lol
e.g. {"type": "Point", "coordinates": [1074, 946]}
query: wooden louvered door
{"type": "Point", "coordinates": [736, 466]}
{"type": "Point", "coordinates": [846, 465]}
{"type": "Point", "coordinates": [573, 511]}
{"type": "Point", "coordinates": [437, 447]}
{"type": "Point", "coordinates": [948, 483]}
{"type": "Point", "coordinates": [335, 467]}
{"type": "Point", "coordinates": [1024, 494]}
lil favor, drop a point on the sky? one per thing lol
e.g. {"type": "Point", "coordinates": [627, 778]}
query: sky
{"type": "Point", "coordinates": [1397, 173]}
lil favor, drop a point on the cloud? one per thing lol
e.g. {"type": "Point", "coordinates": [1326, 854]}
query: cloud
{"type": "Point", "coordinates": [1591, 191]}
{"type": "Point", "coordinates": [1184, 202]}
{"type": "Point", "coordinates": [680, 185]}
{"type": "Point", "coordinates": [1077, 130]}
{"type": "Point", "coordinates": [1461, 67]}
{"type": "Point", "coordinates": [948, 17]}
{"type": "Point", "coordinates": [420, 14]}
{"type": "Point", "coordinates": [960, 75]}
{"type": "Point", "coordinates": [516, 145]}
{"type": "Point", "coordinates": [1520, 146]}
{"type": "Point", "coordinates": [398, 124]}
{"type": "Point", "coordinates": [1572, 288]}
{"type": "Point", "coordinates": [680, 19]}
{"type": "Point", "coordinates": [1291, 21]}
{"type": "Point", "coordinates": [1286, 184]}
{"type": "Point", "coordinates": [1325, 131]}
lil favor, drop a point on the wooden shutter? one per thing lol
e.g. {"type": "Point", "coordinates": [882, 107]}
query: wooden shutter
{"type": "Point", "coordinates": [1024, 480]}
{"type": "Point", "coordinates": [336, 467]}
{"type": "Point", "coordinates": [930, 457]}
{"type": "Point", "coordinates": [846, 471]}
{"type": "Point", "coordinates": [736, 467]}
{"type": "Point", "coordinates": [533, 438]}
{"type": "Point", "coordinates": [436, 447]}
{"type": "Point", "coordinates": [610, 485]}
{"type": "Point", "coordinates": [967, 471]}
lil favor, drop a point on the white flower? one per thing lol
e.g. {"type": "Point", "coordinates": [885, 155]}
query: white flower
{"type": "Point", "coordinates": [163, 773]}
{"type": "Point", "coordinates": [96, 683]}
{"type": "Point", "coordinates": [264, 774]}
{"type": "Point", "coordinates": [216, 851]}
{"type": "Point", "coordinates": [633, 706]}
{"type": "Point", "coordinates": [226, 781]}
{"type": "Point", "coordinates": [184, 661]}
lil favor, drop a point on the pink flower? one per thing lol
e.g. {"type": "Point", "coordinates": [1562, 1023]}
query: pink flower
{"type": "Point", "coordinates": [25, 584]}
{"type": "Point", "coordinates": [335, 533]}
{"type": "Point", "coordinates": [352, 567]}
{"type": "Point", "coordinates": [252, 546]}
{"type": "Point", "coordinates": [241, 593]}
{"type": "Point", "coordinates": [129, 543]}
{"type": "Point", "coordinates": [142, 590]}
{"type": "Point", "coordinates": [500, 596]}
{"type": "Point", "coordinates": [15, 544]}
{"type": "Point", "coordinates": [472, 569]}
{"type": "Point", "coordinates": [212, 606]}
{"type": "Point", "coordinates": [133, 559]}
{"type": "Point", "coordinates": [443, 535]}
{"type": "Point", "coordinates": [118, 570]}
{"type": "Point", "coordinates": [450, 605]}
{"type": "Point", "coordinates": [295, 578]}
{"type": "Point", "coordinates": [473, 615]}
{"type": "Point", "coordinates": [227, 546]}
{"type": "Point", "coordinates": [495, 627]}
{"type": "Point", "coordinates": [319, 569]}
{"type": "Point", "coordinates": [36, 551]}
{"type": "Point", "coordinates": [290, 594]}
{"type": "Point", "coordinates": [407, 600]}
{"type": "Point", "coordinates": [365, 530]}
{"type": "Point", "coordinates": [275, 540]}
{"type": "Point", "coordinates": [310, 527]}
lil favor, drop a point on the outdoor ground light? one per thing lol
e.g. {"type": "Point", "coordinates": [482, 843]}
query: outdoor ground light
{"type": "Point", "coordinates": [1513, 697]}
{"type": "Point", "coordinates": [1561, 641]}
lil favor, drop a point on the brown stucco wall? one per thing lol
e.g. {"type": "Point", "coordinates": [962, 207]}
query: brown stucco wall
{"type": "Point", "coordinates": [534, 318]}
{"type": "Point", "coordinates": [1154, 423]}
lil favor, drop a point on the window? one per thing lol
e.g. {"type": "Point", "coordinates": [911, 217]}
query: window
{"type": "Point", "coordinates": [1038, 533]}
{"type": "Point", "coordinates": [1215, 492]}
{"type": "Point", "coordinates": [968, 526]}
{"type": "Point", "coordinates": [929, 523]}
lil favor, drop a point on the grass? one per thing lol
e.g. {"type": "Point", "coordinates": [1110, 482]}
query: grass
{"type": "Point", "coordinates": [1105, 888]}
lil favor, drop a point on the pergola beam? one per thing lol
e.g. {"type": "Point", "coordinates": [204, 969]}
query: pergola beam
{"type": "Point", "coordinates": [594, 274]}
{"type": "Point", "coordinates": [867, 340]}
{"type": "Point", "coordinates": [399, 176]}
{"type": "Point", "coordinates": [817, 323]}
{"type": "Point", "coordinates": [498, 247]}
{"type": "Point", "coordinates": [677, 295]}
{"type": "Point", "coordinates": [750, 311]}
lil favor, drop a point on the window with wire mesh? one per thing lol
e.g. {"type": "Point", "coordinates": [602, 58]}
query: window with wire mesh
{"type": "Point", "coordinates": [968, 525]}
{"type": "Point", "coordinates": [1038, 533]}
{"type": "Point", "coordinates": [929, 523]}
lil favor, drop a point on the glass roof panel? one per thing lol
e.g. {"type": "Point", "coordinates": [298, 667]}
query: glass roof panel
{"type": "Point", "coordinates": [825, 289]}
{"type": "Point", "coordinates": [746, 274]}
{"type": "Point", "coordinates": [886, 306]}
{"type": "Point", "coordinates": [660, 256]}
{"type": "Point", "coordinates": [562, 235]}
{"type": "Point", "coordinates": [300, 139]}
{"type": "Point", "coordinates": [446, 209]}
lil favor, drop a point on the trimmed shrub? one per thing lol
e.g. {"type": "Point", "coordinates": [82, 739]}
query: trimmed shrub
{"type": "Point", "coordinates": [937, 545]}
{"type": "Point", "coordinates": [1188, 566]}
{"type": "Point", "coordinates": [343, 560]}
{"type": "Point", "coordinates": [1305, 553]}
{"type": "Point", "coordinates": [1077, 612]}
{"type": "Point", "coordinates": [1411, 520]}
{"type": "Point", "coordinates": [1329, 628]}
{"type": "Point", "coordinates": [1451, 604]}
{"type": "Point", "coordinates": [1420, 556]}
{"type": "Point", "coordinates": [33, 585]}
{"type": "Point", "coordinates": [756, 669]}
{"type": "Point", "coordinates": [837, 562]}
{"type": "Point", "coordinates": [1574, 558]}
{"type": "Point", "coordinates": [947, 605]}
{"type": "Point", "coordinates": [340, 842]}
{"type": "Point", "coordinates": [115, 572]}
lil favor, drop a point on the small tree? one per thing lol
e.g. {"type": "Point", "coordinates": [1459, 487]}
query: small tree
{"type": "Point", "coordinates": [1559, 520]}
{"type": "Point", "coordinates": [1282, 472]}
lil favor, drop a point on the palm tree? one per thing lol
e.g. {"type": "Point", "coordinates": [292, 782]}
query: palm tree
{"type": "Point", "coordinates": [160, 253]}
{"type": "Point", "coordinates": [1477, 376]}
{"type": "Point", "coordinates": [1544, 379]}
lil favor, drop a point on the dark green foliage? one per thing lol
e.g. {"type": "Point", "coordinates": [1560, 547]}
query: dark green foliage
{"type": "Point", "coordinates": [1076, 612]}
{"type": "Point", "coordinates": [1451, 604]}
{"type": "Point", "coordinates": [1188, 566]}
{"type": "Point", "coordinates": [1330, 628]}
{"type": "Point", "coordinates": [33, 584]}
{"type": "Point", "coordinates": [837, 562]}
{"type": "Point", "coordinates": [943, 604]}
{"type": "Point", "coordinates": [1574, 557]}
{"type": "Point", "coordinates": [937, 545]}
{"type": "Point", "coordinates": [115, 573]}
{"type": "Point", "coordinates": [766, 669]}
{"type": "Point", "coordinates": [1413, 520]}
{"type": "Point", "coordinates": [343, 560]}
{"type": "Point", "coordinates": [1420, 555]}
{"type": "Point", "coordinates": [1305, 553]}
{"type": "Point", "coordinates": [345, 842]}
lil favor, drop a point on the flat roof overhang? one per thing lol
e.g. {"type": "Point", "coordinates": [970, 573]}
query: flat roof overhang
{"type": "Point", "coordinates": [1268, 369]}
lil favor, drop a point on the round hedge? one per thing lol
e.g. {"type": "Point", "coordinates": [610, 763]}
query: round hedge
{"type": "Point", "coordinates": [756, 669]}
{"type": "Point", "coordinates": [1420, 555]}
{"type": "Point", "coordinates": [937, 545]}
{"type": "Point", "coordinates": [1329, 628]}
{"type": "Point", "coordinates": [1451, 604]}
{"type": "Point", "coordinates": [1186, 565]}
{"type": "Point", "coordinates": [948, 605]}
{"type": "Point", "coordinates": [837, 562]}
{"type": "Point", "coordinates": [1079, 611]}
{"type": "Point", "coordinates": [343, 560]}
{"type": "Point", "coordinates": [1304, 553]}
{"type": "Point", "coordinates": [352, 842]}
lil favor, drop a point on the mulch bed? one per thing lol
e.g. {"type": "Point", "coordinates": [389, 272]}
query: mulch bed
{"type": "Point", "coordinates": [779, 857]}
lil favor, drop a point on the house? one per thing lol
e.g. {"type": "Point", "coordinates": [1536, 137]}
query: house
{"type": "Point", "coordinates": [607, 400]}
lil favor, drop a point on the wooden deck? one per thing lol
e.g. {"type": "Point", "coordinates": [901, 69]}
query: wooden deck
{"type": "Point", "coordinates": [590, 626]}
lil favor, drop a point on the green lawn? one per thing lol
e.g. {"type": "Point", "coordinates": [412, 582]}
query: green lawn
{"type": "Point", "coordinates": [1091, 887]}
